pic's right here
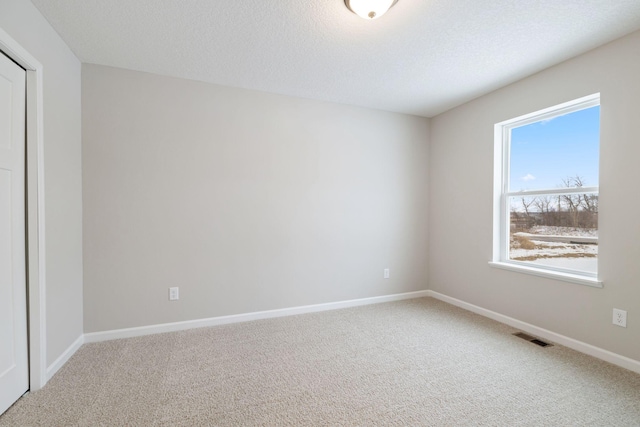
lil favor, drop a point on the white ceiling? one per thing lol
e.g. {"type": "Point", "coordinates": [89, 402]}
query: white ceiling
{"type": "Point", "coordinates": [423, 57]}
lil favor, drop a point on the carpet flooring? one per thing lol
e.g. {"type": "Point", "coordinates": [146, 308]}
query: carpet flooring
{"type": "Point", "coordinates": [418, 362]}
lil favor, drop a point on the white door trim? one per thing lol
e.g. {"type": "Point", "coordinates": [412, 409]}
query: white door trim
{"type": "Point", "coordinates": [36, 249]}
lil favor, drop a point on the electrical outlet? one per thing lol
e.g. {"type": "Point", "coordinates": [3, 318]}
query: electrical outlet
{"type": "Point", "coordinates": [386, 273]}
{"type": "Point", "coordinates": [619, 317]}
{"type": "Point", "coordinates": [174, 294]}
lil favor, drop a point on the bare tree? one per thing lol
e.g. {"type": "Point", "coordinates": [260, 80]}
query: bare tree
{"type": "Point", "coordinates": [526, 205]}
{"type": "Point", "coordinates": [590, 212]}
{"type": "Point", "coordinates": [578, 210]}
{"type": "Point", "coordinates": [544, 204]}
{"type": "Point", "coordinates": [573, 202]}
{"type": "Point", "coordinates": [581, 209]}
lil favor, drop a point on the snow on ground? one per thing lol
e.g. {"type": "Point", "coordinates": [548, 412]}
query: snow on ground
{"type": "Point", "coordinates": [553, 250]}
{"type": "Point", "coordinates": [563, 231]}
{"type": "Point", "coordinates": [558, 254]}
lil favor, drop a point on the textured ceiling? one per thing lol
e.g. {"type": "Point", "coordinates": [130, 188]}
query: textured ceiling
{"type": "Point", "coordinates": [423, 57]}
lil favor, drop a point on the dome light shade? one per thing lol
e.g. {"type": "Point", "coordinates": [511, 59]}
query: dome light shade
{"type": "Point", "coordinates": [369, 9]}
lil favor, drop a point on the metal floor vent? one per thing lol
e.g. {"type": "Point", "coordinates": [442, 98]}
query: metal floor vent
{"type": "Point", "coordinates": [532, 339]}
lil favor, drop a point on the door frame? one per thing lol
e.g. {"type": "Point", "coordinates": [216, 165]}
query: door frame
{"type": "Point", "coordinates": [35, 220]}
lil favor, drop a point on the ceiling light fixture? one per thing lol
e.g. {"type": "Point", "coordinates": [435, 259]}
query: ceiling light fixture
{"type": "Point", "coordinates": [369, 9]}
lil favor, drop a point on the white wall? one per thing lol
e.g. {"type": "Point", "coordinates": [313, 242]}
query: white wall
{"type": "Point", "coordinates": [63, 175]}
{"type": "Point", "coordinates": [460, 214]}
{"type": "Point", "coordinates": [247, 201]}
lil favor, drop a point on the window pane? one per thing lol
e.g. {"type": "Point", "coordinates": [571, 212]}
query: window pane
{"type": "Point", "coordinates": [556, 230]}
{"type": "Point", "coordinates": [560, 152]}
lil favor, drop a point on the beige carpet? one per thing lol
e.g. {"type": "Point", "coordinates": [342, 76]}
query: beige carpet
{"type": "Point", "coordinates": [409, 363]}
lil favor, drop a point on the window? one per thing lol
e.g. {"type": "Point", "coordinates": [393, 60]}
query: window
{"type": "Point", "coordinates": [546, 192]}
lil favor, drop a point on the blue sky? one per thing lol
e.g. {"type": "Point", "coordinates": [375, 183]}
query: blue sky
{"type": "Point", "coordinates": [544, 153]}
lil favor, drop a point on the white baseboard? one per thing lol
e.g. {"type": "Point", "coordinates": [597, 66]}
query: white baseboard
{"type": "Point", "coordinates": [608, 356]}
{"type": "Point", "coordinates": [64, 357]}
{"type": "Point", "coordinates": [245, 317]}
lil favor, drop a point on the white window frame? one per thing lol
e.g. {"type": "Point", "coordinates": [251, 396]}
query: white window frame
{"type": "Point", "coordinates": [502, 193]}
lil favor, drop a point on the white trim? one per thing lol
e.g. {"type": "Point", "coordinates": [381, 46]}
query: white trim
{"type": "Point", "coordinates": [554, 191]}
{"type": "Point", "coordinates": [580, 279]}
{"type": "Point", "coordinates": [36, 252]}
{"type": "Point", "coordinates": [64, 357]}
{"type": "Point", "coordinates": [582, 347]}
{"type": "Point", "coordinates": [245, 317]}
{"type": "Point", "coordinates": [553, 111]}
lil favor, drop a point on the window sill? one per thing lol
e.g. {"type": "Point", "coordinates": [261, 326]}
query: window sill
{"type": "Point", "coordinates": [557, 275]}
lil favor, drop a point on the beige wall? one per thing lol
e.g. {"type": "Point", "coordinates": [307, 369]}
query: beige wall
{"type": "Point", "coordinates": [247, 201]}
{"type": "Point", "coordinates": [63, 175]}
{"type": "Point", "coordinates": [250, 201]}
{"type": "Point", "coordinates": [460, 214]}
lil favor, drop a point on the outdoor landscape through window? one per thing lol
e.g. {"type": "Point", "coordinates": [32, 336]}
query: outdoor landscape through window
{"type": "Point", "coordinates": [552, 194]}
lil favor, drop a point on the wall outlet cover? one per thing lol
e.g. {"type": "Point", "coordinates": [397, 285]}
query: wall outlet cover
{"type": "Point", "coordinates": [619, 317]}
